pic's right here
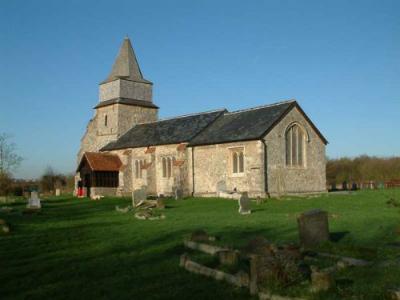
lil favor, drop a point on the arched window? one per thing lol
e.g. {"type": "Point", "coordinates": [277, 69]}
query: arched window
{"type": "Point", "coordinates": [241, 162]}
{"type": "Point", "coordinates": [167, 163]}
{"type": "Point", "coordinates": [295, 143]}
{"type": "Point", "coordinates": [141, 166]}
{"type": "Point", "coordinates": [237, 161]}
{"type": "Point", "coordinates": [164, 167]}
{"type": "Point", "coordinates": [105, 120]}
{"type": "Point", "coordinates": [169, 167]}
{"type": "Point", "coordinates": [137, 172]}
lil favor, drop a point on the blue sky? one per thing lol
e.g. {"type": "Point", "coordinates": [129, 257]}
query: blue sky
{"type": "Point", "coordinates": [339, 59]}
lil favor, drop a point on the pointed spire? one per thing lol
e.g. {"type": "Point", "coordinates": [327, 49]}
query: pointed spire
{"type": "Point", "coordinates": [126, 65]}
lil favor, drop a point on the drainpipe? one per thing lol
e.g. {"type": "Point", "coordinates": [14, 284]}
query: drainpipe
{"type": "Point", "coordinates": [265, 167]}
{"type": "Point", "coordinates": [193, 171]}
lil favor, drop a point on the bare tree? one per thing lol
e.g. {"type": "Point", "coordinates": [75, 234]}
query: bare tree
{"type": "Point", "coordinates": [9, 159]}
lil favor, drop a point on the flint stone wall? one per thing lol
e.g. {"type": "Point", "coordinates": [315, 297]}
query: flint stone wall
{"type": "Point", "coordinates": [152, 176]}
{"type": "Point", "coordinates": [286, 180]}
{"type": "Point", "coordinates": [213, 165]}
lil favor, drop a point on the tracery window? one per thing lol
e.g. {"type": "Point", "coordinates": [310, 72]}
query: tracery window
{"type": "Point", "coordinates": [167, 163]}
{"type": "Point", "coordinates": [295, 146]}
{"type": "Point", "coordinates": [237, 161]}
{"type": "Point", "coordinates": [139, 164]}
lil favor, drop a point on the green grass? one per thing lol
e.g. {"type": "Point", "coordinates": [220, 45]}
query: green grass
{"type": "Point", "coordinates": [79, 249]}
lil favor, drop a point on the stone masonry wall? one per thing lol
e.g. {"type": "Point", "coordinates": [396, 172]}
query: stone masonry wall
{"type": "Point", "coordinates": [213, 168]}
{"type": "Point", "coordinates": [152, 175]}
{"type": "Point", "coordinates": [135, 90]}
{"type": "Point", "coordinates": [130, 115]}
{"type": "Point", "coordinates": [288, 180]}
{"type": "Point", "coordinates": [125, 89]}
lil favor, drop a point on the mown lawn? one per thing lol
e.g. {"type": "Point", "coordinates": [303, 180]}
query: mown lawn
{"type": "Point", "coordinates": [79, 249]}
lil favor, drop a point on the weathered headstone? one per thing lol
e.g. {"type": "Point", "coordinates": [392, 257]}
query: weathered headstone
{"type": "Point", "coordinates": [58, 192]}
{"type": "Point", "coordinates": [313, 227]}
{"type": "Point", "coordinates": [34, 201]}
{"type": "Point", "coordinates": [244, 204]}
{"type": "Point", "coordinates": [221, 187]}
{"type": "Point", "coordinates": [178, 193]}
{"type": "Point", "coordinates": [139, 195]}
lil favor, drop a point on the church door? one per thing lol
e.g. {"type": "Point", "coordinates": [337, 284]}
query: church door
{"type": "Point", "coordinates": [88, 184]}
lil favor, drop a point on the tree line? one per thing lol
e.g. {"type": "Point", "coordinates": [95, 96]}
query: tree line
{"type": "Point", "coordinates": [362, 169]}
{"type": "Point", "coordinates": [10, 161]}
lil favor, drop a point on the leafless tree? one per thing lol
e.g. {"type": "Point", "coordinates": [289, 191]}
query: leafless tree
{"type": "Point", "coordinates": [9, 159]}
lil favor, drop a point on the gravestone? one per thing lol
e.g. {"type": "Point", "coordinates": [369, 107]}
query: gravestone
{"type": "Point", "coordinates": [313, 227]}
{"type": "Point", "coordinates": [178, 193]}
{"type": "Point", "coordinates": [58, 192]}
{"type": "Point", "coordinates": [221, 187]}
{"type": "Point", "coordinates": [139, 195]}
{"type": "Point", "coordinates": [34, 201]}
{"type": "Point", "coordinates": [244, 204]}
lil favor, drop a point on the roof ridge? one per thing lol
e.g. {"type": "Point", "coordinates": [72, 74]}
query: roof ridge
{"type": "Point", "coordinates": [184, 116]}
{"type": "Point", "coordinates": [261, 106]}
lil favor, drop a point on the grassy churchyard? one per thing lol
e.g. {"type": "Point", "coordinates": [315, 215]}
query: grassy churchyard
{"type": "Point", "coordinates": [84, 249]}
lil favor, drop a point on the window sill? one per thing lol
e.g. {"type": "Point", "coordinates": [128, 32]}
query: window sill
{"type": "Point", "coordinates": [295, 168]}
{"type": "Point", "coordinates": [237, 174]}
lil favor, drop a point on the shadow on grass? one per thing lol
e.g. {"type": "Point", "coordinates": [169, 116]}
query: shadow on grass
{"type": "Point", "coordinates": [337, 236]}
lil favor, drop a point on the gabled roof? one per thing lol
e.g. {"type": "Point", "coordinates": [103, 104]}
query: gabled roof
{"type": "Point", "coordinates": [126, 65]}
{"type": "Point", "coordinates": [242, 125]}
{"type": "Point", "coordinates": [100, 161]}
{"type": "Point", "coordinates": [169, 131]}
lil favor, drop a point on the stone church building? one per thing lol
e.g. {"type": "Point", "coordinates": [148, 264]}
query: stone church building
{"type": "Point", "coordinates": [273, 149]}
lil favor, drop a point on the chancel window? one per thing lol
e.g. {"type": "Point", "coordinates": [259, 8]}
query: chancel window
{"type": "Point", "coordinates": [237, 161]}
{"type": "Point", "coordinates": [139, 164]}
{"type": "Point", "coordinates": [295, 146]}
{"type": "Point", "coordinates": [167, 163]}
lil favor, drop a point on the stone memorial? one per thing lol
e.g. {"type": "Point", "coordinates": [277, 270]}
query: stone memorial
{"type": "Point", "coordinates": [221, 187]}
{"type": "Point", "coordinates": [313, 227]}
{"type": "Point", "coordinates": [139, 195]}
{"type": "Point", "coordinates": [244, 204]}
{"type": "Point", "coordinates": [178, 192]}
{"type": "Point", "coordinates": [34, 201]}
{"type": "Point", "coordinates": [58, 192]}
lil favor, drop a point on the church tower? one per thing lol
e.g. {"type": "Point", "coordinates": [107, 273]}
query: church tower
{"type": "Point", "coordinates": [125, 99]}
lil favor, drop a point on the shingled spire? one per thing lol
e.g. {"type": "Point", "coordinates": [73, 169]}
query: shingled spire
{"type": "Point", "coordinates": [126, 65]}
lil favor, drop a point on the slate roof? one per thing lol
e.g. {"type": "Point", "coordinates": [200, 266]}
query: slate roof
{"type": "Point", "coordinates": [170, 131]}
{"type": "Point", "coordinates": [209, 128]}
{"type": "Point", "coordinates": [101, 161]}
{"type": "Point", "coordinates": [249, 124]}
